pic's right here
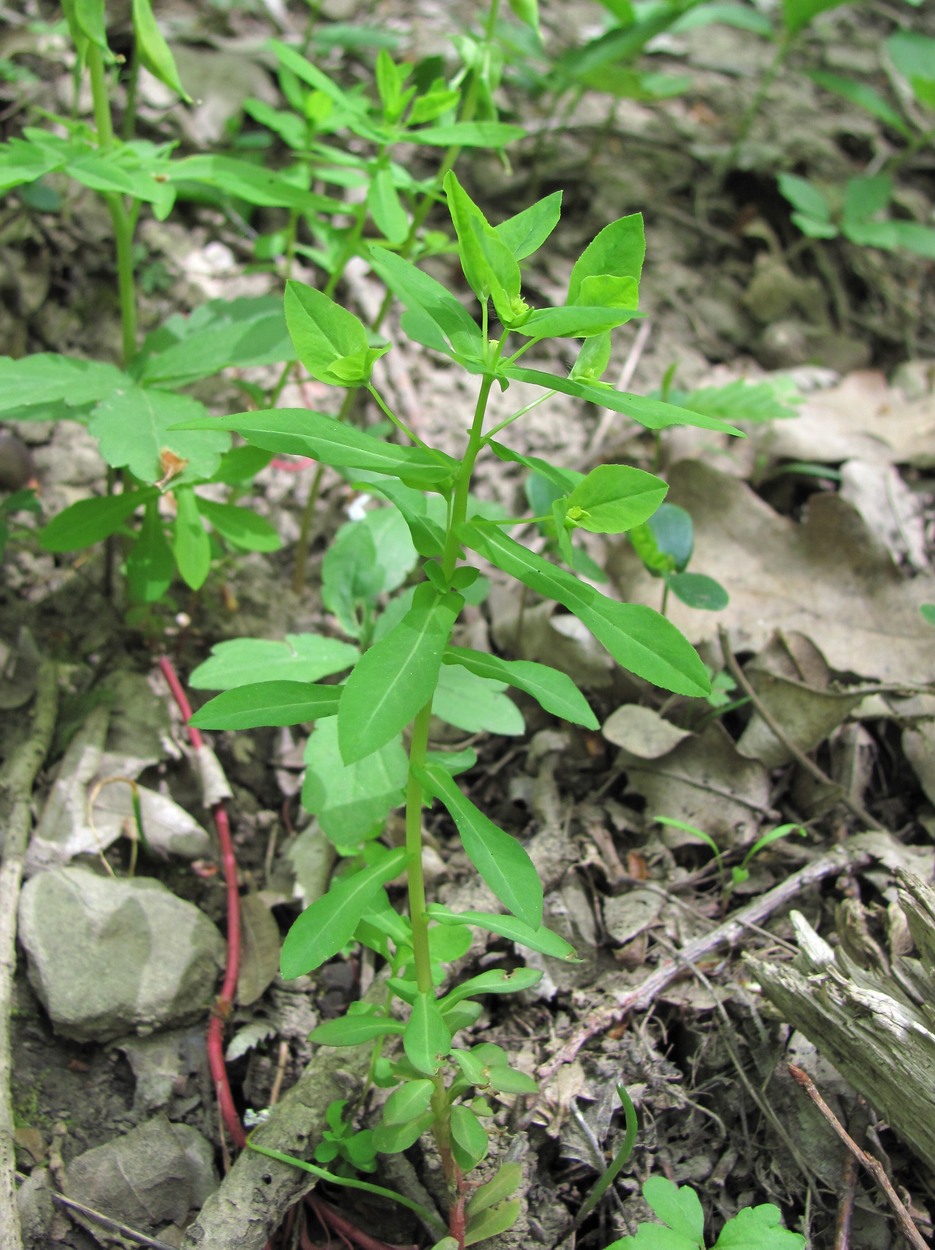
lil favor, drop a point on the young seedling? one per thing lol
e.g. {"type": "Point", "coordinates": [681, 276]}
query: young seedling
{"type": "Point", "coordinates": [372, 736]}
{"type": "Point", "coordinates": [739, 873]}
{"type": "Point", "coordinates": [665, 543]}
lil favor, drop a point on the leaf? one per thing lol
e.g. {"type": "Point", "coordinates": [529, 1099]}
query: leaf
{"type": "Point", "coordinates": [409, 1102]}
{"type": "Point", "coordinates": [864, 97]}
{"type": "Point", "coordinates": [242, 528]}
{"type": "Point", "coordinates": [698, 591]}
{"type": "Point", "coordinates": [456, 332]}
{"type": "Point", "coordinates": [365, 559]}
{"type": "Point", "coordinates": [351, 801]}
{"type": "Point", "coordinates": [574, 322]}
{"type": "Point", "coordinates": [760, 1227]}
{"type": "Point", "coordinates": [396, 677]}
{"type": "Point", "coordinates": [505, 1182]}
{"type": "Point", "coordinates": [153, 50]}
{"type": "Point", "coordinates": [389, 216]}
{"type": "Point", "coordinates": [246, 661]}
{"type": "Point", "coordinates": [525, 232]}
{"type": "Point", "coordinates": [489, 266]}
{"type": "Point", "coordinates": [44, 379]}
{"type": "Point", "coordinates": [527, 11]}
{"type": "Point", "coordinates": [666, 542]}
{"type": "Point", "coordinates": [394, 1139]}
{"type": "Point", "coordinates": [638, 638]}
{"type": "Point", "coordinates": [492, 1221]}
{"type": "Point", "coordinates": [494, 981]}
{"type": "Point", "coordinates": [353, 1030]}
{"type": "Point", "coordinates": [677, 1206]}
{"type": "Point", "coordinates": [617, 251]}
{"type": "Point", "coordinates": [268, 703]}
{"type": "Point", "coordinates": [501, 861]}
{"type": "Point", "coordinates": [90, 521]}
{"type": "Point", "coordinates": [190, 543]}
{"type": "Point", "coordinates": [329, 923]}
{"type": "Point", "coordinates": [540, 939]}
{"type": "Point", "coordinates": [426, 1039]}
{"type": "Point", "coordinates": [613, 498]}
{"type": "Point", "coordinates": [135, 426]}
{"type": "Point", "coordinates": [805, 197]}
{"type": "Point", "coordinates": [150, 567]}
{"type": "Point", "coordinates": [493, 135]}
{"type": "Point", "coordinates": [297, 431]}
{"type": "Point", "coordinates": [329, 340]}
{"type": "Point", "coordinates": [865, 197]}
{"type": "Point", "coordinates": [247, 181]}
{"type": "Point", "coordinates": [469, 1143]}
{"type": "Point", "coordinates": [797, 14]}
{"type": "Point", "coordinates": [220, 333]}
{"type": "Point", "coordinates": [475, 703]}
{"type": "Point", "coordinates": [553, 690]}
{"type": "Point", "coordinates": [259, 951]}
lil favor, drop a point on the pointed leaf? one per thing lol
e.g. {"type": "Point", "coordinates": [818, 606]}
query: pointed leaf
{"type": "Point", "coordinates": [245, 661]}
{"type": "Point", "coordinates": [153, 50]}
{"type": "Point", "coordinates": [426, 1039]}
{"type": "Point", "coordinates": [242, 528]}
{"type": "Point", "coordinates": [617, 251]}
{"type": "Point", "coordinates": [324, 334]}
{"type": "Point", "coordinates": [468, 135]}
{"type": "Point", "coordinates": [396, 677]}
{"type": "Point", "coordinates": [492, 1221]}
{"type": "Point", "coordinates": [90, 521]}
{"type": "Point", "coordinates": [190, 543]}
{"type": "Point", "coordinates": [419, 292]}
{"type": "Point", "coordinates": [527, 231]}
{"type": "Point", "coordinates": [268, 703]}
{"type": "Point", "coordinates": [505, 1182]}
{"type": "Point", "coordinates": [488, 264]}
{"type": "Point", "coordinates": [553, 690]}
{"type": "Point", "coordinates": [353, 1030]}
{"type": "Point", "coordinates": [494, 981]}
{"type": "Point", "coordinates": [329, 924]}
{"type": "Point", "coordinates": [408, 1102]}
{"type": "Point", "coordinates": [573, 323]}
{"type": "Point", "coordinates": [613, 498]}
{"type": "Point", "coordinates": [540, 939]}
{"type": "Point", "coordinates": [150, 567]}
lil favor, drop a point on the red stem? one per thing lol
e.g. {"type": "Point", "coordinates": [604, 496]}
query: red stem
{"type": "Point", "coordinates": [224, 1000]}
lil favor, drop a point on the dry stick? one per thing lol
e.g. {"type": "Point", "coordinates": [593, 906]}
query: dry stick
{"type": "Point", "coordinates": [873, 1165]}
{"type": "Point", "coordinates": [16, 787]}
{"type": "Point", "coordinates": [841, 859]}
{"type": "Point", "coordinates": [778, 732]}
{"type": "Point", "coordinates": [105, 1221]}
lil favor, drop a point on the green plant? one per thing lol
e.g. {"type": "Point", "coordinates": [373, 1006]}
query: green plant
{"type": "Point", "coordinates": [370, 750]}
{"type": "Point", "coordinates": [739, 873]}
{"type": "Point", "coordinates": [682, 1228]}
{"type": "Point", "coordinates": [665, 543]}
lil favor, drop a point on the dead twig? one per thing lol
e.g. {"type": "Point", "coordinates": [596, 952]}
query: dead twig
{"type": "Point", "coordinates": [778, 732]}
{"type": "Point", "coordinates": [841, 859]}
{"type": "Point", "coordinates": [104, 1221]}
{"type": "Point", "coordinates": [16, 788]}
{"type": "Point", "coordinates": [873, 1165]}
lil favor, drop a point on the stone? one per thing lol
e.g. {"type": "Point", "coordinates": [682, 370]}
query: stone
{"type": "Point", "coordinates": [107, 957]}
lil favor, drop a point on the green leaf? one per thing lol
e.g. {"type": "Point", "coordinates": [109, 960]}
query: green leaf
{"type": "Point", "coordinates": [617, 251]}
{"type": "Point", "coordinates": [244, 661]}
{"type": "Point", "coordinates": [864, 97]}
{"type": "Point", "coordinates": [329, 340]}
{"type": "Point", "coordinates": [150, 567]}
{"type": "Point", "coordinates": [865, 197]}
{"type": "Point", "coordinates": [575, 322]}
{"type": "Point", "coordinates": [493, 135]}
{"type": "Point", "coordinates": [396, 677]}
{"type": "Point", "coordinates": [797, 14]}
{"type": "Point", "coordinates": [638, 638]}
{"type": "Point", "coordinates": [913, 55]}
{"type": "Point", "coordinates": [507, 1080]}
{"type": "Point", "coordinates": [44, 379]}
{"type": "Point", "coordinates": [677, 1206]}
{"type": "Point", "coordinates": [494, 981]}
{"type": "Point", "coordinates": [488, 264]}
{"type": "Point", "coordinates": [297, 431]}
{"type": "Point", "coordinates": [329, 923]}
{"type": "Point", "coordinates": [492, 1221]}
{"type": "Point", "coordinates": [351, 801]}
{"type": "Point", "coordinates": [455, 331]}
{"type": "Point", "coordinates": [656, 1237]}
{"type": "Point", "coordinates": [267, 703]}
{"type": "Point", "coordinates": [613, 498]}
{"type": "Point", "coordinates": [760, 1227]}
{"type": "Point", "coordinates": [352, 1030]}
{"type": "Point", "coordinates": [698, 591]}
{"type": "Point", "coordinates": [553, 690]}
{"type": "Point", "coordinates": [409, 1102]}
{"type": "Point", "coordinates": [366, 558]}
{"type": "Point", "coordinates": [220, 333]}
{"type": "Point", "coordinates": [666, 542]}
{"type": "Point", "coordinates": [90, 521]}
{"type": "Point", "coordinates": [805, 197]}
{"type": "Point", "coordinates": [135, 425]}
{"type": "Point", "coordinates": [475, 703]}
{"type": "Point", "coordinates": [90, 18]}
{"type": "Point", "coordinates": [505, 1182]}
{"type": "Point", "coordinates": [426, 1039]}
{"type": "Point", "coordinates": [654, 414]}
{"type": "Point", "coordinates": [928, 612]}
{"type": "Point", "coordinates": [469, 1142]}
{"type": "Point", "coordinates": [527, 11]}
{"type": "Point", "coordinates": [242, 528]}
{"type": "Point", "coordinates": [25, 162]}
{"type": "Point", "coordinates": [153, 50]}
{"type": "Point", "coordinates": [501, 861]}
{"type": "Point", "coordinates": [190, 543]}
{"type": "Point", "coordinates": [525, 232]}
{"type": "Point", "coordinates": [394, 1139]}
{"type": "Point", "coordinates": [383, 201]}
{"type": "Point", "coordinates": [246, 181]}
{"type": "Point", "coordinates": [540, 939]}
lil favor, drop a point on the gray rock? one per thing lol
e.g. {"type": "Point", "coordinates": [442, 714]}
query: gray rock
{"type": "Point", "coordinates": [110, 956]}
{"type": "Point", "coordinates": [152, 1176]}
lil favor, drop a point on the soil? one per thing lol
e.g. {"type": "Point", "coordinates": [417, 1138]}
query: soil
{"type": "Point", "coordinates": [730, 291]}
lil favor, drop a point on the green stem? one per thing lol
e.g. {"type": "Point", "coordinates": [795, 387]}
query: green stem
{"type": "Point", "coordinates": [418, 918]}
{"type": "Point", "coordinates": [766, 82]}
{"type": "Point", "coordinates": [462, 490]}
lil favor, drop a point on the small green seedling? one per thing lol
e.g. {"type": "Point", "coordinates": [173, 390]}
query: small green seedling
{"type": "Point", "coordinates": [928, 612]}
{"type": "Point", "coordinates": [739, 873]}
{"type": "Point", "coordinates": [682, 1227]}
{"type": "Point", "coordinates": [665, 543]}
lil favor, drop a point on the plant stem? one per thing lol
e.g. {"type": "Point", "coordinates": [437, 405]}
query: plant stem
{"type": "Point", "coordinates": [462, 489]}
{"type": "Point", "coordinates": [416, 877]}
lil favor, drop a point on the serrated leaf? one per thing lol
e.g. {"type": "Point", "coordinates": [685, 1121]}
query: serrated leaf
{"type": "Point", "coordinates": [638, 638]}
{"type": "Point", "coordinates": [502, 863]}
{"type": "Point", "coordinates": [553, 690]}
{"type": "Point", "coordinates": [351, 801]}
{"type": "Point", "coordinates": [426, 1037]}
{"type": "Point", "coordinates": [247, 661]}
{"type": "Point", "coordinates": [541, 939]}
{"type": "Point", "coordinates": [329, 923]}
{"type": "Point", "coordinates": [268, 703]}
{"type": "Point", "coordinates": [90, 521]}
{"type": "Point", "coordinates": [475, 703]}
{"type": "Point", "coordinates": [396, 677]}
{"type": "Point", "coordinates": [613, 498]}
{"type": "Point", "coordinates": [135, 425]}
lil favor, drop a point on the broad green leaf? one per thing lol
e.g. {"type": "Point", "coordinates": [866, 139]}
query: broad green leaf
{"type": "Point", "coordinates": [394, 1139]}
{"type": "Point", "coordinates": [604, 290]}
{"type": "Point", "coordinates": [427, 534]}
{"type": "Point", "coordinates": [325, 335]}
{"type": "Point", "coordinates": [242, 528]}
{"type": "Point", "coordinates": [329, 924]}
{"type": "Point", "coordinates": [220, 333]}
{"type": "Point", "coordinates": [525, 232]}
{"type": "Point", "coordinates": [638, 638]}
{"type": "Point", "coordinates": [475, 703]}
{"type": "Point", "coordinates": [505, 1182]}
{"type": "Point", "coordinates": [352, 1030]}
{"type": "Point", "coordinates": [253, 183]}
{"type": "Point", "coordinates": [698, 591]}
{"type": "Point", "coordinates": [574, 322]}
{"type": "Point", "coordinates": [656, 1237]}
{"type": "Point", "coordinates": [456, 330]}
{"type": "Point", "coordinates": [426, 1039]}
{"type": "Point", "coordinates": [150, 567]}
{"type": "Point", "coordinates": [121, 170]}
{"type": "Point", "coordinates": [760, 1227]}
{"type": "Point", "coordinates": [396, 677]}
{"type": "Point", "coordinates": [90, 17]}
{"type": "Point", "coordinates": [408, 1102]}
{"type": "Point", "coordinates": [654, 414]}
{"type": "Point", "coordinates": [805, 197]}
{"type": "Point", "coordinates": [90, 521]}
{"type": "Point", "coordinates": [467, 135]}
{"type": "Point", "coordinates": [386, 209]}
{"type": "Point", "coordinates": [507, 1080]}
{"type": "Point", "coordinates": [489, 266]}
{"type": "Point", "coordinates": [469, 1142]}
{"type": "Point", "coordinates": [796, 14]}
{"type": "Point", "coordinates": [351, 801]}
{"type": "Point", "coordinates": [666, 542]}
{"type": "Point", "coordinates": [25, 162]}
{"type": "Point", "coordinates": [267, 703]}
{"type": "Point", "coordinates": [300, 658]}
{"type": "Point", "coordinates": [539, 939]}
{"type": "Point", "coordinates": [613, 498]}
{"type": "Point", "coordinates": [135, 426]}
{"type": "Point", "coordinates": [153, 50]}
{"type": "Point", "coordinates": [492, 1221]}
{"type": "Point", "coordinates": [299, 432]}
{"type": "Point", "coordinates": [501, 861]}
{"type": "Point", "coordinates": [617, 251]}
{"type": "Point", "coordinates": [366, 558]}
{"type": "Point", "coordinates": [553, 690]}
{"type": "Point", "coordinates": [913, 55]}
{"type": "Point", "coordinates": [677, 1206]}
{"type": "Point", "coordinates": [190, 543]}
{"type": "Point", "coordinates": [43, 379]}
{"type": "Point", "coordinates": [865, 197]}
{"type": "Point", "coordinates": [494, 981]}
